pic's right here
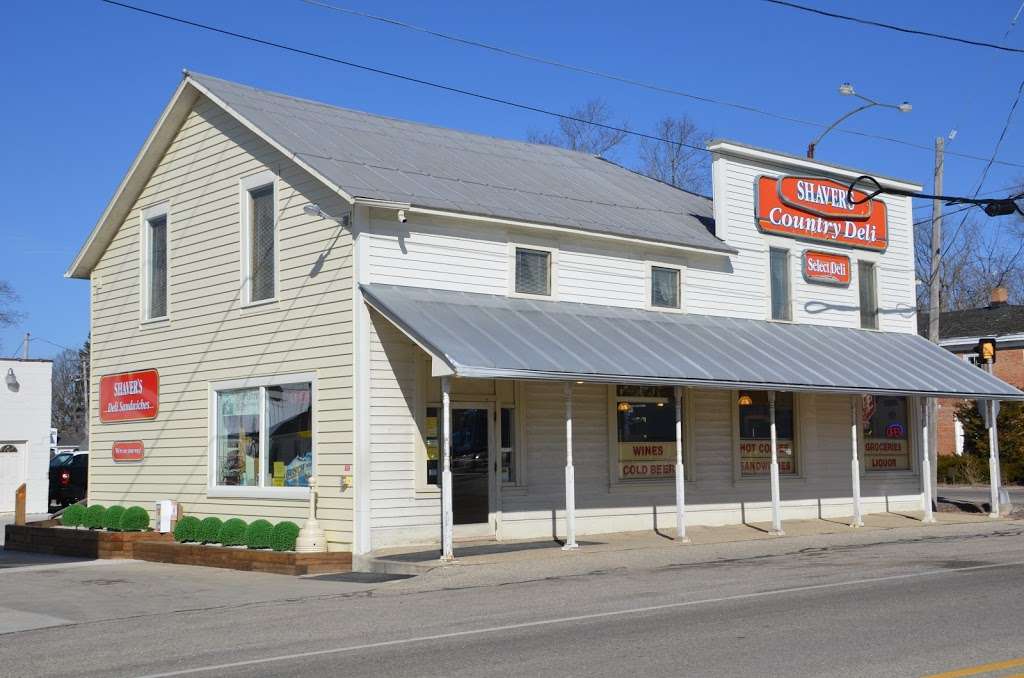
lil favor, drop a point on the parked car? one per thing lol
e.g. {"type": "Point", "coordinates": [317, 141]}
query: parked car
{"type": "Point", "coordinates": [69, 477]}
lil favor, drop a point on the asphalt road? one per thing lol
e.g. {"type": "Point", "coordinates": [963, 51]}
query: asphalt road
{"type": "Point", "coordinates": [902, 603]}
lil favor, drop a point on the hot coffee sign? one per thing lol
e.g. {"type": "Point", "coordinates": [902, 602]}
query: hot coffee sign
{"type": "Point", "coordinates": [826, 268]}
{"type": "Point", "coordinates": [816, 209]}
{"type": "Point", "coordinates": [129, 396]}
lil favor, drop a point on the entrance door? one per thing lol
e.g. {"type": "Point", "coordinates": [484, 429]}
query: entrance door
{"type": "Point", "coordinates": [12, 472]}
{"type": "Point", "coordinates": [470, 463]}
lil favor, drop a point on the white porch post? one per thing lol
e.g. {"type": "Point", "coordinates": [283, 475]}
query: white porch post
{"type": "Point", "coordinates": [858, 519]}
{"type": "Point", "coordinates": [570, 477]}
{"type": "Point", "coordinates": [776, 505]}
{"type": "Point", "coordinates": [926, 466]}
{"type": "Point", "coordinates": [447, 521]}
{"type": "Point", "coordinates": [993, 458]}
{"type": "Point", "coordinates": [680, 472]}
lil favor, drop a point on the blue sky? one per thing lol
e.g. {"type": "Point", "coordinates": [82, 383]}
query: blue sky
{"type": "Point", "coordinates": [84, 82]}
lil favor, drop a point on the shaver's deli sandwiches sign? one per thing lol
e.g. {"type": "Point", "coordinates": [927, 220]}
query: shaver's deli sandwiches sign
{"type": "Point", "coordinates": [819, 210]}
{"type": "Point", "coordinates": [826, 268]}
{"type": "Point", "coordinates": [129, 396]}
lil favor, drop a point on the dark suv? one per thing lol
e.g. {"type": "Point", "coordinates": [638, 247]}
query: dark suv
{"type": "Point", "coordinates": [69, 477]}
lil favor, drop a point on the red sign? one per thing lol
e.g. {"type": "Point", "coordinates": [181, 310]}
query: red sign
{"type": "Point", "coordinates": [128, 450]}
{"type": "Point", "coordinates": [826, 268]}
{"type": "Point", "coordinates": [817, 209]}
{"type": "Point", "coordinates": [130, 396]}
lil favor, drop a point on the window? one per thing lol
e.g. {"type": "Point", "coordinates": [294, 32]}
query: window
{"type": "Point", "coordinates": [868, 295]}
{"type": "Point", "coordinates": [665, 287]}
{"type": "Point", "coordinates": [264, 436]}
{"type": "Point", "coordinates": [431, 438]}
{"type": "Point", "coordinates": [886, 433]}
{"type": "Point", "coordinates": [153, 246]}
{"type": "Point", "coordinates": [755, 442]}
{"type": "Point", "coordinates": [975, 359]}
{"type": "Point", "coordinates": [533, 271]}
{"type": "Point", "coordinates": [646, 420]}
{"type": "Point", "coordinates": [259, 243]}
{"type": "Point", "coordinates": [507, 446]}
{"type": "Point", "coordinates": [779, 264]}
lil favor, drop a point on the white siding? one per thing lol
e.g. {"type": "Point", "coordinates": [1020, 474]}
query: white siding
{"type": "Point", "coordinates": [25, 424]}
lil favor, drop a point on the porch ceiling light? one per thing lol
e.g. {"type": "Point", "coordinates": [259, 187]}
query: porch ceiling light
{"type": "Point", "coordinates": [624, 407]}
{"type": "Point", "coordinates": [745, 400]}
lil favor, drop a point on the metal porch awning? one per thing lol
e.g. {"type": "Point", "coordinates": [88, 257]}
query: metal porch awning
{"type": "Point", "coordinates": [498, 337]}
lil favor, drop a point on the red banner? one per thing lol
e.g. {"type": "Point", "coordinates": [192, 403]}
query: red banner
{"type": "Point", "coordinates": [817, 209]}
{"type": "Point", "coordinates": [129, 396]}
{"type": "Point", "coordinates": [826, 268]}
{"type": "Point", "coordinates": [128, 450]}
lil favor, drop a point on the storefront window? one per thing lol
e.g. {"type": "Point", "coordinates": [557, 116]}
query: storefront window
{"type": "Point", "coordinates": [432, 441]}
{"type": "Point", "coordinates": [508, 437]}
{"type": "Point", "coordinates": [646, 432]}
{"type": "Point", "coordinates": [289, 435]}
{"type": "Point", "coordinates": [755, 443]}
{"type": "Point", "coordinates": [886, 433]}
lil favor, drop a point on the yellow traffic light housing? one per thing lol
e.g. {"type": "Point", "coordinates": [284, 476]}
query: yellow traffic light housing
{"type": "Point", "coordinates": [987, 350]}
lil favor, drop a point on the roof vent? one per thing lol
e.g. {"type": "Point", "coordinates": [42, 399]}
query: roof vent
{"type": "Point", "coordinates": [1000, 296]}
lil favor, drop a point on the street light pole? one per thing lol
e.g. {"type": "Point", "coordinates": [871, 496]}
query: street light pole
{"type": "Point", "coordinates": [846, 89]}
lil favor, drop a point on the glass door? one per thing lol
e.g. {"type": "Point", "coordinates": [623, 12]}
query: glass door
{"type": "Point", "coordinates": [470, 461]}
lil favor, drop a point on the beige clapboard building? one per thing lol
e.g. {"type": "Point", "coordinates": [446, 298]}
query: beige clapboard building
{"type": "Point", "coordinates": [458, 334]}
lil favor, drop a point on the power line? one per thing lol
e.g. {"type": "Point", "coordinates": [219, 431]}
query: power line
{"type": "Point", "coordinates": [654, 87]}
{"type": "Point", "coordinates": [893, 27]}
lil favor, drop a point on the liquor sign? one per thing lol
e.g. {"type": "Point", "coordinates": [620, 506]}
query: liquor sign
{"type": "Point", "coordinates": [129, 396]}
{"type": "Point", "coordinates": [825, 268]}
{"type": "Point", "coordinates": [816, 209]}
{"type": "Point", "coordinates": [128, 450]}
{"type": "Point", "coordinates": [647, 460]}
{"type": "Point", "coordinates": [887, 454]}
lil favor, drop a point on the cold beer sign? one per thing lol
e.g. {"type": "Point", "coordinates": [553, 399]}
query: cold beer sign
{"type": "Point", "coordinates": [826, 268]}
{"type": "Point", "coordinates": [129, 396]}
{"type": "Point", "coordinates": [819, 210]}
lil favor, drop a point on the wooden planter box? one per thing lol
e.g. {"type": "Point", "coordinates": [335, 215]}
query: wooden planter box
{"type": "Point", "coordinates": [243, 559]}
{"type": "Point", "coordinates": [80, 543]}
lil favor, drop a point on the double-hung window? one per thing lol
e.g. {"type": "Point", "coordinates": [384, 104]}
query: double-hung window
{"type": "Point", "coordinates": [665, 287]}
{"type": "Point", "coordinates": [154, 263]}
{"type": "Point", "coordinates": [532, 271]}
{"type": "Point", "coordinates": [780, 287]}
{"type": "Point", "coordinates": [259, 233]}
{"type": "Point", "coordinates": [868, 283]}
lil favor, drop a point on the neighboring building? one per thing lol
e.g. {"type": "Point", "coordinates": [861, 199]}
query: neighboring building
{"type": "Point", "coordinates": [959, 332]}
{"type": "Point", "coordinates": [25, 432]}
{"type": "Point", "coordinates": [281, 288]}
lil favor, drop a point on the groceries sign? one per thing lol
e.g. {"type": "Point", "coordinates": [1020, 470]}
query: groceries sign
{"type": "Point", "coordinates": [819, 210]}
{"type": "Point", "coordinates": [826, 268]}
{"type": "Point", "coordinates": [129, 396]}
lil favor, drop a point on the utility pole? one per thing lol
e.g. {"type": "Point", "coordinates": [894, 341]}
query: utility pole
{"type": "Point", "coordinates": [934, 307]}
{"type": "Point", "coordinates": [24, 353]}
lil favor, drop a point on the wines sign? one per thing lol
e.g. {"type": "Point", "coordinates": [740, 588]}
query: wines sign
{"type": "Point", "coordinates": [819, 210]}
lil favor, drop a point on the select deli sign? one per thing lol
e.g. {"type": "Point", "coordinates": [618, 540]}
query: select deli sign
{"type": "Point", "coordinates": [826, 268]}
{"type": "Point", "coordinates": [816, 209]}
{"type": "Point", "coordinates": [129, 396]}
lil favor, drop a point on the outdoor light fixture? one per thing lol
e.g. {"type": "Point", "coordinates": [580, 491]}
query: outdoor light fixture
{"type": "Point", "coordinates": [12, 379]}
{"type": "Point", "coordinates": [314, 210]}
{"type": "Point", "coordinates": [846, 89]}
{"type": "Point", "coordinates": [624, 407]}
{"type": "Point", "coordinates": [904, 107]}
{"type": "Point", "coordinates": [745, 400]}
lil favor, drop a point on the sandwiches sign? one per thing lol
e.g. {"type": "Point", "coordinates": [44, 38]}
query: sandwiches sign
{"type": "Point", "coordinates": [819, 210]}
{"type": "Point", "coordinates": [129, 396]}
{"type": "Point", "coordinates": [826, 268]}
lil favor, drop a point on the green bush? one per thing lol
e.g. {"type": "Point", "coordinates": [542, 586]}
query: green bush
{"type": "Point", "coordinates": [73, 515]}
{"type": "Point", "coordinates": [232, 533]}
{"type": "Point", "coordinates": [209, 530]}
{"type": "Point", "coordinates": [283, 536]}
{"type": "Point", "coordinates": [187, 529]}
{"type": "Point", "coordinates": [112, 518]}
{"type": "Point", "coordinates": [93, 517]}
{"type": "Point", "coordinates": [135, 519]}
{"type": "Point", "coordinates": [966, 469]}
{"type": "Point", "coordinates": [258, 534]}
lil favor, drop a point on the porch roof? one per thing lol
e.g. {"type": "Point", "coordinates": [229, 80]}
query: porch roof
{"type": "Point", "coordinates": [499, 337]}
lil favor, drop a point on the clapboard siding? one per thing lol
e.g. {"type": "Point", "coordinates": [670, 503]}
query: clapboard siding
{"type": "Point", "coordinates": [210, 337]}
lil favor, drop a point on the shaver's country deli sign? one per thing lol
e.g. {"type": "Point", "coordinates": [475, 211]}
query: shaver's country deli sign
{"type": "Point", "coordinates": [129, 396]}
{"type": "Point", "coordinates": [128, 450]}
{"type": "Point", "coordinates": [826, 268]}
{"type": "Point", "coordinates": [818, 209]}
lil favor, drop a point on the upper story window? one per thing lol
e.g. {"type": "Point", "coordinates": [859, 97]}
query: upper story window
{"type": "Point", "coordinates": [533, 271]}
{"type": "Point", "coordinates": [868, 284]}
{"type": "Point", "coordinates": [781, 294]}
{"type": "Point", "coordinates": [259, 250]}
{"type": "Point", "coordinates": [665, 287]}
{"type": "Point", "coordinates": [154, 263]}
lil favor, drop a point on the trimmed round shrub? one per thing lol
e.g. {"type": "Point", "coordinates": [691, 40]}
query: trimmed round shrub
{"type": "Point", "coordinates": [232, 533]}
{"type": "Point", "coordinates": [93, 517]}
{"type": "Point", "coordinates": [209, 530]}
{"type": "Point", "coordinates": [112, 518]}
{"type": "Point", "coordinates": [135, 519]}
{"type": "Point", "coordinates": [187, 529]}
{"type": "Point", "coordinates": [283, 536]}
{"type": "Point", "coordinates": [258, 534]}
{"type": "Point", "coordinates": [73, 516]}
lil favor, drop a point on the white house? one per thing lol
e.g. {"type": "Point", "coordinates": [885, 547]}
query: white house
{"type": "Point", "coordinates": [517, 340]}
{"type": "Point", "coordinates": [25, 432]}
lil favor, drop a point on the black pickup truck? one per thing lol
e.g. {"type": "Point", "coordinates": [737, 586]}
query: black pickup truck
{"type": "Point", "coordinates": [69, 477]}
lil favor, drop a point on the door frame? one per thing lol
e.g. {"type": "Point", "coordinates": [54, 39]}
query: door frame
{"type": "Point", "coordinates": [490, 528]}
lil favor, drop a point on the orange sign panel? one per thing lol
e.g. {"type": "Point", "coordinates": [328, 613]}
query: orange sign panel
{"type": "Point", "coordinates": [826, 268]}
{"type": "Point", "coordinates": [128, 450]}
{"type": "Point", "coordinates": [818, 209]}
{"type": "Point", "coordinates": [129, 396]}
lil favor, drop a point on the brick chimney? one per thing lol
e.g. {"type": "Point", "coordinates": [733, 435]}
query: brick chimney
{"type": "Point", "coordinates": [1000, 296]}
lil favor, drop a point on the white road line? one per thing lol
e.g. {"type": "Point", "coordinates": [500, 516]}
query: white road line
{"type": "Point", "coordinates": [577, 618]}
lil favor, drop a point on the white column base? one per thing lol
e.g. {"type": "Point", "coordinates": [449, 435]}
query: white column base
{"type": "Point", "coordinates": [570, 509]}
{"type": "Point", "coordinates": [777, 533]}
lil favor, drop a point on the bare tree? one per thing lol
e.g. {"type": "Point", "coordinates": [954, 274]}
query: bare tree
{"type": "Point", "coordinates": [70, 385]}
{"type": "Point", "coordinates": [8, 297]}
{"type": "Point", "coordinates": [583, 131]}
{"type": "Point", "coordinates": [679, 160]}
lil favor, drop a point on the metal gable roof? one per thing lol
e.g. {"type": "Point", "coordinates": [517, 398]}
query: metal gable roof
{"type": "Point", "coordinates": [490, 336]}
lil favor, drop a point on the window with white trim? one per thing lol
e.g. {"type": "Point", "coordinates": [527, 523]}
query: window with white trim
{"type": "Point", "coordinates": [754, 434]}
{"type": "Point", "coordinates": [646, 424]}
{"type": "Point", "coordinates": [885, 439]}
{"type": "Point", "coordinates": [154, 263]}
{"type": "Point", "coordinates": [867, 283]}
{"type": "Point", "coordinates": [665, 287]}
{"type": "Point", "coordinates": [533, 271]}
{"type": "Point", "coordinates": [780, 286]}
{"type": "Point", "coordinates": [259, 251]}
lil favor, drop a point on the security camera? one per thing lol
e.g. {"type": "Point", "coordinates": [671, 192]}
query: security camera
{"type": "Point", "coordinates": [401, 216]}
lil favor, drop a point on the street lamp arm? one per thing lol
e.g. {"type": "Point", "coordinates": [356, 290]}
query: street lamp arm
{"type": "Point", "coordinates": [810, 147]}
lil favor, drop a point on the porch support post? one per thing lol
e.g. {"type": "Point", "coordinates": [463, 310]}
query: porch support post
{"type": "Point", "coordinates": [926, 467]}
{"type": "Point", "coordinates": [570, 477]}
{"type": "Point", "coordinates": [680, 472]}
{"type": "Point", "coordinates": [993, 459]}
{"type": "Point", "coordinates": [776, 502]}
{"type": "Point", "coordinates": [858, 519]}
{"type": "Point", "coordinates": [447, 521]}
